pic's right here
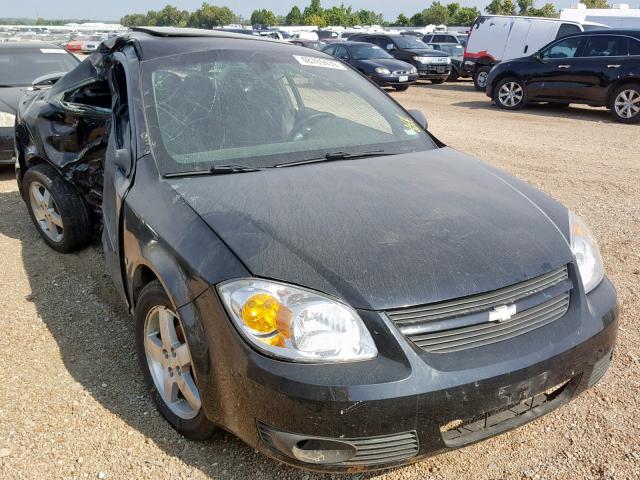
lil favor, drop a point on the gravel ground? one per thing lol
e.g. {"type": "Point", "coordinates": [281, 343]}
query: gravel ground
{"type": "Point", "coordinates": [73, 404]}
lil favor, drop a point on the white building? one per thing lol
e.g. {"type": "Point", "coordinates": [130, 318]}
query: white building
{"type": "Point", "coordinates": [619, 16]}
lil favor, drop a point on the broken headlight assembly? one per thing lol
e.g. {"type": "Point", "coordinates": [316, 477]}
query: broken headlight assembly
{"type": "Point", "coordinates": [296, 324]}
{"type": "Point", "coordinates": [586, 252]}
{"type": "Point", "coordinates": [7, 119]}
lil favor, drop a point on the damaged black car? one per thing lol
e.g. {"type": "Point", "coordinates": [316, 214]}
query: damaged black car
{"type": "Point", "coordinates": [306, 265]}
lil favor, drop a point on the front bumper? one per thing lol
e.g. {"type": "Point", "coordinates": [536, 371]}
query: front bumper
{"type": "Point", "coordinates": [406, 400]}
{"type": "Point", "coordinates": [394, 80]}
{"type": "Point", "coordinates": [434, 72]}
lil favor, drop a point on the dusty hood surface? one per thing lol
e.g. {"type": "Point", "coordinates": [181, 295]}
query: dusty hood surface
{"type": "Point", "coordinates": [381, 232]}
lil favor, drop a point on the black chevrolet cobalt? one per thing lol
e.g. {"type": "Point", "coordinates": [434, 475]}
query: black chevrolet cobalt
{"type": "Point", "coordinates": [306, 265]}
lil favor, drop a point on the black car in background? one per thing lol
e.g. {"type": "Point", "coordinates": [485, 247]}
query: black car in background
{"type": "Point", "coordinates": [375, 63]}
{"type": "Point", "coordinates": [319, 276]}
{"type": "Point", "coordinates": [598, 68]}
{"type": "Point", "coordinates": [431, 64]}
{"type": "Point", "coordinates": [20, 64]}
{"type": "Point", "coordinates": [441, 38]}
{"type": "Point", "coordinates": [456, 52]}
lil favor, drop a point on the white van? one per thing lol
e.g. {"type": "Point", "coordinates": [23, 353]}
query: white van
{"type": "Point", "coordinates": [495, 38]}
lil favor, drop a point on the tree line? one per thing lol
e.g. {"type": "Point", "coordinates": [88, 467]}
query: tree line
{"type": "Point", "coordinates": [210, 16]}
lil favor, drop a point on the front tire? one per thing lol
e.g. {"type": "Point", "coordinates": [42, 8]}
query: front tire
{"type": "Point", "coordinates": [437, 81]}
{"type": "Point", "coordinates": [59, 213]}
{"type": "Point", "coordinates": [401, 88]}
{"type": "Point", "coordinates": [480, 78]}
{"type": "Point", "coordinates": [625, 104]}
{"type": "Point", "coordinates": [510, 94]}
{"type": "Point", "coordinates": [166, 364]}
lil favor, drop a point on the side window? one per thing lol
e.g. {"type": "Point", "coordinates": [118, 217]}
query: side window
{"type": "Point", "coordinates": [427, 38]}
{"type": "Point", "coordinates": [567, 29]}
{"type": "Point", "coordinates": [330, 50]}
{"type": "Point", "coordinates": [606, 46]}
{"type": "Point", "coordinates": [634, 47]}
{"type": "Point", "coordinates": [568, 48]}
{"type": "Point", "coordinates": [342, 53]}
{"type": "Point", "coordinates": [121, 107]}
{"type": "Point", "coordinates": [441, 39]}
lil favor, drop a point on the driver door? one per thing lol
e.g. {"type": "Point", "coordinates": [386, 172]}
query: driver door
{"type": "Point", "coordinates": [554, 76]}
{"type": "Point", "coordinates": [118, 169]}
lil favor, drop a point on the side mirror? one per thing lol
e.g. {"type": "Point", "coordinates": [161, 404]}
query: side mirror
{"type": "Point", "coordinates": [538, 56]}
{"type": "Point", "coordinates": [419, 117]}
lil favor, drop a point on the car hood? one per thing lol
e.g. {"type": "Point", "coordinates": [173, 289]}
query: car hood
{"type": "Point", "coordinates": [382, 232]}
{"type": "Point", "coordinates": [390, 63]}
{"type": "Point", "coordinates": [9, 98]}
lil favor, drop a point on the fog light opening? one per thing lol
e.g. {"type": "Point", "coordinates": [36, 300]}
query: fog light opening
{"type": "Point", "coordinates": [321, 451]}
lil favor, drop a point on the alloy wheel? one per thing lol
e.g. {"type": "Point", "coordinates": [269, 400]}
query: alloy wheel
{"type": "Point", "coordinates": [46, 212]}
{"type": "Point", "coordinates": [510, 94]}
{"type": "Point", "coordinates": [169, 362]}
{"type": "Point", "coordinates": [627, 103]}
{"type": "Point", "coordinates": [482, 79]}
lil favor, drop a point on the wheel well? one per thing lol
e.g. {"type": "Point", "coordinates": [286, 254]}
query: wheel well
{"type": "Point", "coordinates": [502, 76]}
{"type": "Point", "coordinates": [142, 277]}
{"type": "Point", "coordinates": [485, 62]}
{"type": "Point", "coordinates": [618, 84]}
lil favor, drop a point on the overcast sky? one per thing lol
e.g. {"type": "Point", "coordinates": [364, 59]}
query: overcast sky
{"type": "Point", "coordinates": [115, 9]}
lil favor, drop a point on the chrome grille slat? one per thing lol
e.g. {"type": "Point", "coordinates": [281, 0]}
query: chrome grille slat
{"type": "Point", "coordinates": [453, 325]}
{"type": "Point", "coordinates": [478, 302]}
{"type": "Point", "coordinates": [560, 303]}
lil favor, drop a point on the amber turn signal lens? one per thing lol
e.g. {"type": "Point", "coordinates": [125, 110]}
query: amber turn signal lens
{"type": "Point", "coordinates": [259, 313]}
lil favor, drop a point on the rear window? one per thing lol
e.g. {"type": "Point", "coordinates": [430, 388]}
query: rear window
{"type": "Point", "coordinates": [20, 66]}
{"type": "Point", "coordinates": [634, 47]}
{"type": "Point", "coordinates": [567, 29]}
{"type": "Point", "coordinates": [606, 46]}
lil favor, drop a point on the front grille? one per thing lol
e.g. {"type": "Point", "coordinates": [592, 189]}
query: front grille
{"type": "Point", "coordinates": [384, 449]}
{"type": "Point", "coordinates": [401, 72]}
{"type": "Point", "coordinates": [467, 322]}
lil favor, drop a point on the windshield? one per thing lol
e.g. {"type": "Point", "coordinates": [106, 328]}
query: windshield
{"type": "Point", "coordinates": [409, 42]}
{"type": "Point", "coordinates": [264, 107]}
{"type": "Point", "coordinates": [367, 52]}
{"type": "Point", "coordinates": [19, 66]}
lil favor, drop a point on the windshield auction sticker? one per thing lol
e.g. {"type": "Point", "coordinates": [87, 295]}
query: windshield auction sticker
{"type": "Point", "coordinates": [319, 62]}
{"type": "Point", "coordinates": [52, 50]}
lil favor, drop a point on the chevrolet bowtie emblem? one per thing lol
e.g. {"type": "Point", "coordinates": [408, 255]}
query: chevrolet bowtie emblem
{"type": "Point", "coordinates": [502, 313]}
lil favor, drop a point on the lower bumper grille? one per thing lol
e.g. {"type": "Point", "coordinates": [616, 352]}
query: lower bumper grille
{"type": "Point", "coordinates": [384, 449]}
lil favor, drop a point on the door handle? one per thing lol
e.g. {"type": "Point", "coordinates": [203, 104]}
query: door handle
{"type": "Point", "coordinates": [564, 67]}
{"type": "Point", "coordinates": [613, 66]}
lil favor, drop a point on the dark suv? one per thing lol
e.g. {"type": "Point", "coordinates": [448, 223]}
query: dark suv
{"type": "Point", "coordinates": [597, 68]}
{"type": "Point", "coordinates": [431, 64]}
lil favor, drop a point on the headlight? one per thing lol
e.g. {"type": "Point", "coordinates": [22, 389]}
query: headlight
{"type": "Point", "coordinates": [413, 70]}
{"type": "Point", "coordinates": [383, 71]}
{"type": "Point", "coordinates": [7, 119]}
{"type": "Point", "coordinates": [296, 324]}
{"type": "Point", "coordinates": [585, 250]}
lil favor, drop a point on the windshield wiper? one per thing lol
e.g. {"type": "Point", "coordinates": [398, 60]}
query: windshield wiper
{"type": "Point", "coordinates": [217, 170]}
{"type": "Point", "coordinates": [333, 156]}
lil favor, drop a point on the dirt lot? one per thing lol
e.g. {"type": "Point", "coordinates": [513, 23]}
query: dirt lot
{"type": "Point", "coordinates": [72, 402]}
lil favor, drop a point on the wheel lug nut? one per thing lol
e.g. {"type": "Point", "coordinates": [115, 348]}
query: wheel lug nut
{"type": "Point", "coordinates": [165, 354]}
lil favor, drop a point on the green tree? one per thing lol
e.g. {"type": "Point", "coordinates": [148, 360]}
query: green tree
{"type": "Point", "coordinates": [316, 20]}
{"type": "Point", "coordinates": [170, 16]}
{"type": "Point", "coordinates": [294, 17]}
{"type": "Point", "coordinates": [452, 10]}
{"type": "Point", "coordinates": [417, 20]}
{"type": "Point", "coordinates": [134, 20]}
{"type": "Point", "coordinates": [596, 3]}
{"type": "Point", "coordinates": [338, 16]}
{"type": "Point", "coordinates": [465, 16]}
{"type": "Point", "coordinates": [263, 17]}
{"type": "Point", "coordinates": [436, 14]}
{"type": "Point", "coordinates": [368, 17]}
{"type": "Point", "coordinates": [501, 7]}
{"type": "Point", "coordinates": [548, 10]}
{"type": "Point", "coordinates": [525, 6]}
{"type": "Point", "coordinates": [209, 16]}
{"type": "Point", "coordinates": [314, 8]}
{"type": "Point", "coordinates": [402, 20]}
